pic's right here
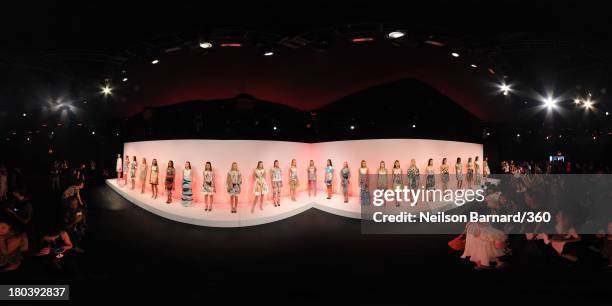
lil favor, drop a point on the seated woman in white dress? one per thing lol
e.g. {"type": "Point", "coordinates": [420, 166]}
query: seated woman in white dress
{"type": "Point", "coordinates": [484, 244]}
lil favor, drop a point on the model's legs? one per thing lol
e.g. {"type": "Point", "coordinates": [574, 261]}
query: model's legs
{"type": "Point", "coordinates": [169, 196]}
{"type": "Point", "coordinates": [329, 192]}
{"type": "Point", "coordinates": [261, 202]}
{"type": "Point", "coordinates": [254, 203]}
{"type": "Point", "coordinates": [143, 187]}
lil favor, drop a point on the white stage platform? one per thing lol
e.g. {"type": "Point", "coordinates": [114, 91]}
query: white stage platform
{"type": "Point", "coordinates": [220, 216]}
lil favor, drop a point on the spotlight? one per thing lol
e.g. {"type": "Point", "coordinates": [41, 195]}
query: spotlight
{"type": "Point", "coordinates": [576, 101]}
{"type": "Point", "coordinates": [607, 113]}
{"type": "Point", "coordinates": [518, 135]}
{"type": "Point", "coordinates": [93, 133]}
{"type": "Point", "coordinates": [107, 90]}
{"type": "Point", "coordinates": [488, 134]}
{"type": "Point", "coordinates": [125, 79]}
{"type": "Point", "coordinates": [362, 39]}
{"type": "Point", "coordinates": [206, 45]}
{"type": "Point", "coordinates": [455, 54]}
{"type": "Point", "coordinates": [473, 66]}
{"type": "Point", "coordinates": [24, 114]}
{"type": "Point", "coordinates": [274, 128]}
{"type": "Point", "coordinates": [155, 61]}
{"type": "Point", "coordinates": [504, 88]}
{"type": "Point", "coordinates": [269, 53]}
{"type": "Point", "coordinates": [588, 104]}
{"type": "Point", "coordinates": [396, 34]}
{"type": "Point", "coordinates": [352, 127]}
{"type": "Point", "coordinates": [550, 103]}
{"type": "Point", "coordinates": [414, 126]}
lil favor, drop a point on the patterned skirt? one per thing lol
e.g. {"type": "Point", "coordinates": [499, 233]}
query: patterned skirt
{"type": "Point", "coordinates": [187, 192]}
{"type": "Point", "coordinates": [445, 178]}
{"type": "Point", "coordinates": [364, 195]}
{"type": "Point", "coordinates": [207, 188]}
{"type": "Point", "coordinates": [293, 184]}
{"type": "Point", "coordinates": [276, 188]}
{"type": "Point", "coordinates": [169, 183]}
{"type": "Point", "coordinates": [470, 174]}
{"type": "Point", "coordinates": [234, 190]}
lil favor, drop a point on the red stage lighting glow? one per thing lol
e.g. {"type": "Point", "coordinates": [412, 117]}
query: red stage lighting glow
{"type": "Point", "coordinates": [491, 71]}
{"type": "Point", "coordinates": [231, 45]}
{"type": "Point", "coordinates": [362, 39]}
{"type": "Point", "coordinates": [434, 43]}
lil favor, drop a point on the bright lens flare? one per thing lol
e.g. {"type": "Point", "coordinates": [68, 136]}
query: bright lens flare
{"type": "Point", "coordinates": [106, 90]}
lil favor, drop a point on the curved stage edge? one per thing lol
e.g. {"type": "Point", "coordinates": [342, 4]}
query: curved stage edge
{"type": "Point", "coordinates": [220, 216]}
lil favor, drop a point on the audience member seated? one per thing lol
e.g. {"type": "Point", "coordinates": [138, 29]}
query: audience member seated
{"type": "Point", "coordinates": [12, 247]}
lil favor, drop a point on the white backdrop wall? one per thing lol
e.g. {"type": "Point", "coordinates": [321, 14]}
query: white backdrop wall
{"type": "Point", "coordinates": [221, 153]}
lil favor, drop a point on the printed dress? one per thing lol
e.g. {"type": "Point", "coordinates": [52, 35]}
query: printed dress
{"type": "Point", "coordinates": [312, 174]}
{"type": "Point", "coordinates": [364, 187]}
{"type": "Point", "coordinates": [293, 178]}
{"type": "Point", "coordinates": [261, 186]}
{"type": "Point", "coordinates": [478, 173]}
{"type": "Point", "coordinates": [459, 171]}
{"type": "Point", "coordinates": [445, 174]}
{"type": "Point", "coordinates": [119, 166]}
{"type": "Point", "coordinates": [329, 175]}
{"type": "Point", "coordinates": [170, 172]}
{"type": "Point", "coordinates": [381, 179]}
{"type": "Point", "coordinates": [345, 174]}
{"type": "Point", "coordinates": [133, 167]}
{"type": "Point", "coordinates": [470, 171]}
{"type": "Point", "coordinates": [187, 192]}
{"type": "Point", "coordinates": [126, 167]}
{"type": "Point", "coordinates": [430, 182]}
{"type": "Point", "coordinates": [154, 178]}
{"type": "Point", "coordinates": [208, 187]}
{"type": "Point", "coordinates": [397, 178]}
{"type": "Point", "coordinates": [485, 169]}
{"type": "Point", "coordinates": [234, 181]}
{"type": "Point", "coordinates": [277, 181]}
{"type": "Point", "coordinates": [413, 177]}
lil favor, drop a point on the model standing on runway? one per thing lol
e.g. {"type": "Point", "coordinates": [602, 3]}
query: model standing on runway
{"type": "Point", "coordinates": [260, 186]}
{"type": "Point", "coordinates": [444, 171]}
{"type": "Point", "coordinates": [430, 181]}
{"type": "Point", "coordinates": [133, 169]}
{"type": "Point", "coordinates": [170, 173]}
{"type": "Point", "coordinates": [413, 174]}
{"type": "Point", "coordinates": [364, 184]}
{"type": "Point", "coordinates": [234, 183]}
{"type": "Point", "coordinates": [293, 180]}
{"type": "Point", "coordinates": [478, 172]}
{"type": "Point", "coordinates": [126, 169]}
{"type": "Point", "coordinates": [142, 175]}
{"type": "Point", "coordinates": [470, 172]}
{"type": "Point", "coordinates": [208, 186]}
{"type": "Point", "coordinates": [396, 178]}
{"type": "Point", "coordinates": [276, 176]}
{"type": "Point", "coordinates": [459, 172]}
{"type": "Point", "coordinates": [345, 175]}
{"type": "Point", "coordinates": [312, 178]}
{"type": "Point", "coordinates": [119, 167]}
{"type": "Point", "coordinates": [187, 196]}
{"type": "Point", "coordinates": [154, 178]}
{"type": "Point", "coordinates": [329, 178]}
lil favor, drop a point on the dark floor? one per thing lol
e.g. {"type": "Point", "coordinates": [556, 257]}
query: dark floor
{"type": "Point", "coordinates": [314, 256]}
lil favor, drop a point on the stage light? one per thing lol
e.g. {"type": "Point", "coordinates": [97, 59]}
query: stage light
{"type": "Point", "coordinates": [473, 66]}
{"type": "Point", "coordinates": [550, 103]}
{"type": "Point", "coordinates": [107, 90]}
{"type": "Point", "coordinates": [269, 53]}
{"type": "Point", "coordinates": [434, 43]}
{"type": "Point", "coordinates": [24, 115]}
{"type": "Point", "coordinates": [231, 45]}
{"type": "Point", "coordinates": [93, 133]}
{"type": "Point", "coordinates": [274, 128]}
{"type": "Point", "coordinates": [155, 61]}
{"type": "Point", "coordinates": [125, 79]}
{"type": "Point", "coordinates": [414, 126]}
{"type": "Point", "coordinates": [206, 45]}
{"type": "Point", "coordinates": [455, 54]}
{"type": "Point", "coordinates": [518, 135]}
{"type": "Point", "coordinates": [588, 104]}
{"type": "Point", "coordinates": [547, 137]}
{"type": "Point", "coordinates": [594, 137]}
{"type": "Point", "coordinates": [488, 134]}
{"type": "Point", "coordinates": [576, 101]}
{"type": "Point", "coordinates": [352, 127]}
{"type": "Point", "coordinates": [84, 101]}
{"type": "Point", "coordinates": [607, 113]}
{"type": "Point", "coordinates": [504, 88]}
{"type": "Point", "coordinates": [396, 34]}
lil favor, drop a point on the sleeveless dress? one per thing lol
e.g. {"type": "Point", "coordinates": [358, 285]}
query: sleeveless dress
{"type": "Point", "coordinates": [170, 172]}
{"type": "Point", "coordinates": [234, 182]}
{"type": "Point", "coordinates": [293, 178]}
{"type": "Point", "coordinates": [143, 173]}
{"type": "Point", "coordinates": [187, 192]}
{"type": "Point", "coordinates": [459, 171]}
{"type": "Point", "coordinates": [260, 187]}
{"type": "Point", "coordinates": [277, 181]}
{"type": "Point", "coordinates": [364, 187]}
{"type": "Point", "coordinates": [381, 179]}
{"type": "Point", "coordinates": [470, 171]}
{"type": "Point", "coordinates": [312, 174]}
{"type": "Point", "coordinates": [126, 166]}
{"type": "Point", "coordinates": [345, 174]}
{"type": "Point", "coordinates": [119, 165]}
{"type": "Point", "coordinates": [133, 167]}
{"type": "Point", "coordinates": [207, 184]}
{"type": "Point", "coordinates": [397, 178]}
{"type": "Point", "coordinates": [485, 169]}
{"type": "Point", "coordinates": [478, 174]}
{"type": "Point", "coordinates": [154, 178]}
{"type": "Point", "coordinates": [445, 174]}
{"type": "Point", "coordinates": [329, 171]}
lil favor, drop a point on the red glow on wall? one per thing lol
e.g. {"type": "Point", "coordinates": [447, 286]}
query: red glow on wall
{"type": "Point", "coordinates": [434, 43]}
{"type": "Point", "coordinates": [231, 45]}
{"type": "Point", "coordinates": [362, 39]}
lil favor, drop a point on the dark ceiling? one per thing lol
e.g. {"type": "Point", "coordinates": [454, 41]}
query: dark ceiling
{"type": "Point", "coordinates": [67, 49]}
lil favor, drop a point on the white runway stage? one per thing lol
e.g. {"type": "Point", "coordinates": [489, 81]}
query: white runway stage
{"type": "Point", "coordinates": [220, 216]}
